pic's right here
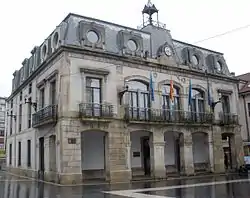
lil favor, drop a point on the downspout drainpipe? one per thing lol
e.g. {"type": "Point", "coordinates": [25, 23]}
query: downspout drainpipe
{"type": "Point", "coordinates": [246, 117]}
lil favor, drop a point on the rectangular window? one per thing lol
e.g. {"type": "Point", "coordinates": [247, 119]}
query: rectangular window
{"type": "Point", "coordinates": [19, 153]}
{"type": "Point", "coordinates": [29, 113]}
{"type": "Point", "coordinates": [29, 153]}
{"type": "Point", "coordinates": [1, 132]}
{"type": "Point", "coordinates": [93, 90]}
{"type": "Point", "coordinates": [53, 92]}
{"type": "Point", "coordinates": [10, 154]}
{"type": "Point", "coordinates": [30, 88]}
{"type": "Point", "coordinates": [42, 98]}
{"type": "Point", "coordinates": [225, 104]}
{"type": "Point", "coordinates": [248, 106]}
{"type": "Point", "coordinates": [20, 117]}
{"type": "Point", "coordinates": [11, 122]}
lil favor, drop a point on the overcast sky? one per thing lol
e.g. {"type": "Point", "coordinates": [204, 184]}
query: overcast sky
{"type": "Point", "coordinates": [26, 23]}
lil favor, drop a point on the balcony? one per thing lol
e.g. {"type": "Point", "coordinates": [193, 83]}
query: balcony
{"type": "Point", "coordinates": [96, 111]}
{"type": "Point", "coordinates": [44, 116]}
{"type": "Point", "coordinates": [228, 119]}
{"type": "Point", "coordinates": [166, 116]}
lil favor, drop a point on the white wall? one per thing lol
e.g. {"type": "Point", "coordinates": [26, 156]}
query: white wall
{"type": "Point", "coordinates": [200, 148]}
{"type": "Point", "coordinates": [169, 149]}
{"type": "Point", "coordinates": [92, 144]}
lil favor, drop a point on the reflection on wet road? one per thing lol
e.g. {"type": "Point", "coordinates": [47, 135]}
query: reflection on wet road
{"type": "Point", "coordinates": [205, 187]}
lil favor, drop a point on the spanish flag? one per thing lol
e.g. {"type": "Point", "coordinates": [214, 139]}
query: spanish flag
{"type": "Point", "coordinates": [171, 93]}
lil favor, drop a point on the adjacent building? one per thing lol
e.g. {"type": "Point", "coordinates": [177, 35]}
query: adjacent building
{"type": "Point", "coordinates": [244, 101]}
{"type": "Point", "coordinates": [99, 100]}
{"type": "Point", "coordinates": [2, 125]}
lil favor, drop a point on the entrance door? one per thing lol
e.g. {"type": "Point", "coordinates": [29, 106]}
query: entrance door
{"type": "Point", "coordinates": [178, 154]}
{"type": "Point", "coordinates": [146, 155]}
{"type": "Point", "coordinates": [41, 158]}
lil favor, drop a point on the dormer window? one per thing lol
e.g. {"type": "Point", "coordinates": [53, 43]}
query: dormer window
{"type": "Point", "coordinates": [218, 66]}
{"type": "Point", "coordinates": [92, 36]}
{"type": "Point", "coordinates": [195, 60]}
{"type": "Point", "coordinates": [132, 45]}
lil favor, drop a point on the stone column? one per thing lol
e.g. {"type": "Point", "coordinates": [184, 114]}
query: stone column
{"type": "Point", "coordinates": [211, 151]}
{"type": "Point", "coordinates": [188, 153]}
{"type": "Point", "coordinates": [218, 152]}
{"type": "Point", "coordinates": [118, 169]}
{"type": "Point", "coordinates": [70, 146]}
{"type": "Point", "coordinates": [157, 155]}
{"type": "Point", "coordinates": [239, 147]}
{"type": "Point", "coordinates": [128, 146]}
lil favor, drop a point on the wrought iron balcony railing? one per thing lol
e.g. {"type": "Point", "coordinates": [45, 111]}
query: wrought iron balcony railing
{"type": "Point", "coordinates": [45, 115]}
{"type": "Point", "coordinates": [95, 110]}
{"type": "Point", "coordinates": [166, 115]}
{"type": "Point", "coordinates": [228, 118]}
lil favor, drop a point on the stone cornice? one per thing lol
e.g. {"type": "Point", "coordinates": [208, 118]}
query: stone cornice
{"type": "Point", "coordinates": [135, 62]}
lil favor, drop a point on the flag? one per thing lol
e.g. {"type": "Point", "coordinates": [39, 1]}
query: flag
{"type": "Point", "coordinates": [190, 93]}
{"type": "Point", "coordinates": [151, 88]}
{"type": "Point", "coordinates": [171, 93]}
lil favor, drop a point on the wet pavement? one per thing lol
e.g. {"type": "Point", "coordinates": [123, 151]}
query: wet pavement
{"type": "Point", "coordinates": [202, 187]}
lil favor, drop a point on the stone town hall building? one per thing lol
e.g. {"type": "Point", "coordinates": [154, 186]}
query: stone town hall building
{"type": "Point", "coordinates": [93, 101]}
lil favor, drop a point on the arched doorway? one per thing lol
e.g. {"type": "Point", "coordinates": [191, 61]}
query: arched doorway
{"type": "Point", "coordinates": [93, 154]}
{"type": "Point", "coordinates": [228, 148]}
{"type": "Point", "coordinates": [200, 152]}
{"type": "Point", "coordinates": [141, 152]}
{"type": "Point", "coordinates": [173, 152]}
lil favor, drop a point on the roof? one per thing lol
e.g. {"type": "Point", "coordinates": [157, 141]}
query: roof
{"type": "Point", "coordinates": [246, 78]}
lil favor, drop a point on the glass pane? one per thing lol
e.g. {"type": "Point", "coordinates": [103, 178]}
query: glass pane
{"type": "Point", "coordinates": [88, 95]}
{"type": "Point", "coordinates": [201, 106]}
{"type": "Point", "coordinates": [132, 45]}
{"type": "Point", "coordinates": [197, 93]}
{"type": "Point", "coordinates": [135, 85]}
{"type": "Point", "coordinates": [95, 83]}
{"type": "Point", "coordinates": [96, 96]}
{"type": "Point", "coordinates": [166, 90]}
{"type": "Point", "coordinates": [92, 36]}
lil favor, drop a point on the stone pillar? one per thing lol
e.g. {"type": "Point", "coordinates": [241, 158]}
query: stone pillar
{"type": "Point", "coordinates": [128, 146]}
{"type": "Point", "coordinates": [188, 153]}
{"type": "Point", "coordinates": [237, 151]}
{"type": "Point", "coordinates": [157, 157]}
{"type": "Point", "coordinates": [118, 169]}
{"type": "Point", "coordinates": [211, 151]}
{"type": "Point", "coordinates": [70, 146]}
{"type": "Point", "coordinates": [239, 147]}
{"type": "Point", "coordinates": [218, 153]}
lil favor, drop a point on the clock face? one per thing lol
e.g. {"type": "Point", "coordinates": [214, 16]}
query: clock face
{"type": "Point", "coordinates": [168, 51]}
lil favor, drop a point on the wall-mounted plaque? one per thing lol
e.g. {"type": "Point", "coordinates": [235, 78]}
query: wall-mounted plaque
{"type": "Point", "coordinates": [136, 154]}
{"type": "Point", "coordinates": [71, 140]}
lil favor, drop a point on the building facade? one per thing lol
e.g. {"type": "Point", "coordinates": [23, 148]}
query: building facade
{"type": "Point", "coordinates": [100, 100]}
{"type": "Point", "coordinates": [244, 101]}
{"type": "Point", "coordinates": [2, 125]}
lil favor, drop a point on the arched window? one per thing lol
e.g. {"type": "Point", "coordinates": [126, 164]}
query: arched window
{"type": "Point", "coordinates": [198, 104]}
{"type": "Point", "coordinates": [139, 100]}
{"type": "Point", "coordinates": [166, 102]}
